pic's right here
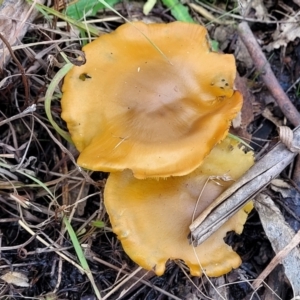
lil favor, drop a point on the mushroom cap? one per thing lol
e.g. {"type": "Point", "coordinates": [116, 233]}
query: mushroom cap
{"type": "Point", "coordinates": [151, 98]}
{"type": "Point", "coordinates": [152, 217]}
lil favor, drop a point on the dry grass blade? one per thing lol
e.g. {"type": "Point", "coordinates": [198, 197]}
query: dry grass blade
{"type": "Point", "coordinates": [205, 13]}
{"type": "Point", "coordinates": [27, 111]}
{"type": "Point", "coordinates": [145, 282]}
{"type": "Point", "coordinates": [122, 283]}
{"type": "Point", "coordinates": [51, 247]}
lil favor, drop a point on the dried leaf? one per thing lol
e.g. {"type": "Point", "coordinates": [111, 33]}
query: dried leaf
{"type": "Point", "coordinates": [286, 32]}
{"type": "Point", "coordinates": [278, 184]}
{"type": "Point", "coordinates": [259, 7]}
{"type": "Point", "coordinates": [16, 278]}
{"type": "Point", "coordinates": [283, 240]}
{"type": "Point", "coordinates": [270, 116]}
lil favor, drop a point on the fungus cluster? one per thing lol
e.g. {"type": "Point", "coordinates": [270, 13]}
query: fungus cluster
{"type": "Point", "coordinates": [153, 101]}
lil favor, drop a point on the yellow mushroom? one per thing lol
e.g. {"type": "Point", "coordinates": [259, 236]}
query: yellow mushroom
{"type": "Point", "coordinates": [150, 98]}
{"type": "Point", "coordinates": [152, 217]}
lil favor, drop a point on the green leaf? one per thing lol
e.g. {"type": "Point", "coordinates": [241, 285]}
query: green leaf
{"type": "Point", "coordinates": [85, 8]}
{"type": "Point", "coordinates": [98, 224]}
{"type": "Point", "coordinates": [178, 10]}
{"type": "Point", "coordinates": [148, 6]}
{"type": "Point", "coordinates": [81, 257]}
{"type": "Point", "coordinates": [49, 96]}
{"type": "Point", "coordinates": [46, 11]}
{"type": "Point", "coordinates": [214, 45]}
{"type": "Point", "coordinates": [235, 137]}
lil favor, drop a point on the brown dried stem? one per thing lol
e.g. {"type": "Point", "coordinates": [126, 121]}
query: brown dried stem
{"type": "Point", "coordinates": [22, 71]}
{"type": "Point", "coordinates": [266, 73]}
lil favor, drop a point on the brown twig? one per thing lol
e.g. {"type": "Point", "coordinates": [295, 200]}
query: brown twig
{"type": "Point", "coordinates": [263, 66]}
{"type": "Point", "coordinates": [296, 172]}
{"type": "Point", "coordinates": [22, 71]}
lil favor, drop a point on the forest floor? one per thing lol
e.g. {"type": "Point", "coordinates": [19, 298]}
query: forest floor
{"type": "Point", "coordinates": [56, 240]}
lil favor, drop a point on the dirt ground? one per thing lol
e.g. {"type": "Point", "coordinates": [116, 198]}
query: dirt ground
{"type": "Point", "coordinates": [40, 183]}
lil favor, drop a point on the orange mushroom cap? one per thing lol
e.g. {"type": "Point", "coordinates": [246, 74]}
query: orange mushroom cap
{"type": "Point", "coordinates": [152, 98]}
{"type": "Point", "coordinates": [152, 218]}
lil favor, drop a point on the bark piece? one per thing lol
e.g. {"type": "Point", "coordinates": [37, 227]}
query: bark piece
{"type": "Point", "coordinates": [15, 19]}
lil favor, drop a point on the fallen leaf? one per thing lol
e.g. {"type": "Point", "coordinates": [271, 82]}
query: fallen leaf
{"type": "Point", "coordinates": [260, 10]}
{"type": "Point", "coordinates": [258, 6]}
{"type": "Point", "coordinates": [16, 278]}
{"type": "Point", "coordinates": [286, 32]}
{"type": "Point", "coordinates": [283, 240]}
